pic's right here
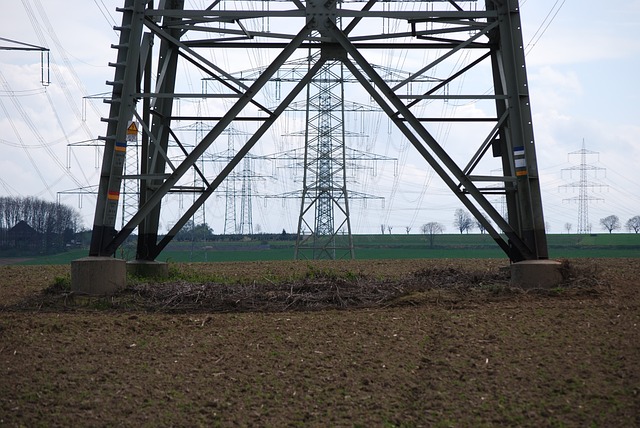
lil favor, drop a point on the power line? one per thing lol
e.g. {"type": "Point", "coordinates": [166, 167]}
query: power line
{"type": "Point", "coordinates": [543, 28]}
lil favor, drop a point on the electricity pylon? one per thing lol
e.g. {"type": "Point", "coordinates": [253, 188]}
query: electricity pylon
{"type": "Point", "coordinates": [583, 186]}
{"type": "Point", "coordinates": [482, 38]}
{"type": "Point", "coordinates": [324, 208]}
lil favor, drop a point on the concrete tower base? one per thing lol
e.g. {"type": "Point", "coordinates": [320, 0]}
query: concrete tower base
{"type": "Point", "coordinates": [98, 276]}
{"type": "Point", "coordinates": [148, 269]}
{"type": "Point", "coordinates": [536, 274]}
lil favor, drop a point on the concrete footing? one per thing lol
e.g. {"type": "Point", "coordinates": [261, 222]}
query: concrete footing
{"type": "Point", "coordinates": [148, 269]}
{"type": "Point", "coordinates": [536, 274]}
{"type": "Point", "coordinates": [98, 276]}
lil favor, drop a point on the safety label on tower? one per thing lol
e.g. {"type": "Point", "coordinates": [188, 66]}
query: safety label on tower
{"type": "Point", "coordinates": [132, 132]}
{"type": "Point", "coordinates": [520, 162]}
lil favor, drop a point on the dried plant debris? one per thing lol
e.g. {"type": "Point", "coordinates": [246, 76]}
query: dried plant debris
{"type": "Point", "coordinates": [303, 295]}
{"type": "Point", "coordinates": [318, 289]}
{"type": "Point", "coordinates": [452, 277]}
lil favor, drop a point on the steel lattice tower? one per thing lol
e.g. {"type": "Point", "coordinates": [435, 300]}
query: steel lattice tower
{"type": "Point", "coordinates": [246, 210]}
{"type": "Point", "coordinates": [230, 224]}
{"type": "Point", "coordinates": [130, 189]}
{"type": "Point", "coordinates": [200, 215]}
{"type": "Point", "coordinates": [324, 189]}
{"type": "Point", "coordinates": [167, 38]}
{"type": "Point", "coordinates": [583, 186]}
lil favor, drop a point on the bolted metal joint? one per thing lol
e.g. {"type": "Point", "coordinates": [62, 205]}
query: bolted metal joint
{"type": "Point", "coordinates": [320, 14]}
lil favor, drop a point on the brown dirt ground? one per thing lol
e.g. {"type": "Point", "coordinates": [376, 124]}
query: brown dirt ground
{"type": "Point", "coordinates": [362, 343]}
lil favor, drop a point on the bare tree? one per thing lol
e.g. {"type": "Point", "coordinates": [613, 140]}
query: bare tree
{"type": "Point", "coordinates": [462, 220]}
{"type": "Point", "coordinates": [389, 228]}
{"type": "Point", "coordinates": [633, 224]}
{"type": "Point", "coordinates": [431, 229]}
{"type": "Point", "coordinates": [54, 224]}
{"type": "Point", "coordinates": [481, 226]}
{"type": "Point", "coordinates": [610, 223]}
{"type": "Point", "coordinates": [568, 227]}
{"type": "Point", "coordinates": [382, 228]}
{"type": "Point", "coordinates": [408, 229]}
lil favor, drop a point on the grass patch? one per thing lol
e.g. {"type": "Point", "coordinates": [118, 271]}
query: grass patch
{"type": "Point", "coordinates": [378, 247]}
{"type": "Point", "coordinates": [61, 284]}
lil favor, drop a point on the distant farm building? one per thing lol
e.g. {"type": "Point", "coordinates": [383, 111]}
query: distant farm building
{"type": "Point", "coordinates": [22, 236]}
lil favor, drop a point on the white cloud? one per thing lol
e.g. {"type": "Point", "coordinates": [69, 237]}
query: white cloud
{"type": "Point", "coordinates": [581, 47]}
{"type": "Point", "coordinates": [548, 78]}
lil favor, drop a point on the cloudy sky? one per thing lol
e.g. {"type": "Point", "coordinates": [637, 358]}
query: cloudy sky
{"type": "Point", "coordinates": [582, 64]}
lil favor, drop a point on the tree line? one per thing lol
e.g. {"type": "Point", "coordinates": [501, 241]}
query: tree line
{"type": "Point", "coordinates": [463, 221]}
{"type": "Point", "coordinates": [612, 222]}
{"type": "Point", "coordinates": [36, 225]}
{"type": "Point", "coordinates": [203, 232]}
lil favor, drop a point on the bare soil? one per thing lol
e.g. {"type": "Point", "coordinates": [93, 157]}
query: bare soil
{"type": "Point", "coordinates": [356, 343]}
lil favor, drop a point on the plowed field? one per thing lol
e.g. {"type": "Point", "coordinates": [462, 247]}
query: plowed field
{"type": "Point", "coordinates": [366, 343]}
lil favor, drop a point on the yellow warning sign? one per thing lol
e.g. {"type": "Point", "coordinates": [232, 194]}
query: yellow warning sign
{"type": "Point", "coordinates": [133, 128]}
{"type": "Point", "coordinates": [132, 131]}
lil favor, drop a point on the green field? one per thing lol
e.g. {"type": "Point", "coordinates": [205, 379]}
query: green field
{"type": "Point", "coordinates": [453, 246]}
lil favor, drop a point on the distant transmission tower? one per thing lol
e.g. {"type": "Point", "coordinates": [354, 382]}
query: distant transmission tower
{"type": "Point", "coordinates": [324, 188]}
{"type": "Point", "coordinates": [246, 211]}
{"type": "Point", "coordinates": [199, 182]}
{"type": "Point", "coordinates": [199, 216]}
{"type": "Point", "coordinates": [230, 224]}
{"type": "Point", "coordinates": [130, 187]}
{"type": "Point", "coordinates": [325, 165]}
{"type": "Point", "coordinates": [583, 186]}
